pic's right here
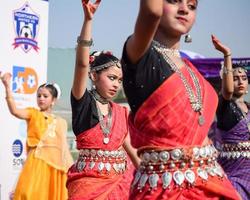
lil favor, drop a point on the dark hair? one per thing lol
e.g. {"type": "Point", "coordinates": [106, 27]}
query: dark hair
{"type": "Point", "coordinates": [101, 58]}
{"type": "Point", "coordinates": [53, 91]}
{"type": "Point", "coordinates": [237, 65]}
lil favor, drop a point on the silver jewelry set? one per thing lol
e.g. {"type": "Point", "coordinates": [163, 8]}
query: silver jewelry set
{"type": "Point", "coordinates": [167, 168]}
{"type": "Point", "coordinates": [234, 151]}
{"type": "Point", "coordinates": [195, 99]}
{"type": "Point", "coordinates": [105, 126]}
{"type": "Point", "coordinates": [101, 160]}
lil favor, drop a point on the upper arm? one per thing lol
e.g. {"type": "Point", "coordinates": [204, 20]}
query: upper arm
{"type": "Point", "coordinates": [80, 78]}
{"type": "Point", "coordinates": [146, 25]}
{"type": "Point", "coordinates": [22, 113]}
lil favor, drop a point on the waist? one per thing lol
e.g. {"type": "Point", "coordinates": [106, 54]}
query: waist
{"type": "Point", "coordinates": [180, 167]}
{"type": "Point", "coordinates": [102, 161]}
{"type": "Point", "coordinates": [234, 151]}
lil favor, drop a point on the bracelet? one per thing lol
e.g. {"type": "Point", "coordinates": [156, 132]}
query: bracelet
{"type": "Point", "coordinates": [84, 43]}
{"type": "Point", "coordinates": [225, 70]}
{"type": "Point", "coordinates": [227, 55]}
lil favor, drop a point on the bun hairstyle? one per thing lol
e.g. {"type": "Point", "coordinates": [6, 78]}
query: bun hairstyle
{"type": "Point", "coordinates": [100, 60]}
{"type": "Point", "coordinates": [53, 88]}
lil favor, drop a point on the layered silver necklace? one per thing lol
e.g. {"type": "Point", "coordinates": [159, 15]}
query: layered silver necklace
{"type": "Point", "coordinates": [104, 124]}
{"type": "Point", "coordinates": [194, 99]}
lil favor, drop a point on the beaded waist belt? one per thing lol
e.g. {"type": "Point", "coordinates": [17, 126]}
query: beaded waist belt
{"type": "Point", "coordinates": [101, 160]}
{"type": "Point", "coordinates": [234, 151]}
{"type": "Point", "coordinates": [179, 167]}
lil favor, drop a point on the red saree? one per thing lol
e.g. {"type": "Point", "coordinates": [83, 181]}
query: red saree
{"type": "Point", "coordinates": [91, 183]}
{"type": "Point", "coordinates": [166, 121]}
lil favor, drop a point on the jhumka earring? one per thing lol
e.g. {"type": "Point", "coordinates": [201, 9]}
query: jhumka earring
{"type": "Point", "coordinates": [188, 38]}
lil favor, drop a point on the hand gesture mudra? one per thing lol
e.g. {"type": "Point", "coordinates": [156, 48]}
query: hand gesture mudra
{"type": "Point", "coordinates": [220, 47]}
{"type": "Point", "coordinates": [90, 7]}
{"type": "Point", "coordinates": [5, 78]}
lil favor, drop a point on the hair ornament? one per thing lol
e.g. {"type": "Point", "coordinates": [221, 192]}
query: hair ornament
{"type": "Point", "coordinates": [58, 89]}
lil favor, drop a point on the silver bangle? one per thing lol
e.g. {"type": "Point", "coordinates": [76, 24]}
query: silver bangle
{"type": "Point", "coordinates": [225, 70]}
{"type": "Point", "coordinates": [84, 43]}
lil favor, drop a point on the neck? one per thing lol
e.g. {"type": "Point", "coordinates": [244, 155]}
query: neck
{"type": "Point", "coordinates": [99, 98]}
{"type": "Point", "coordinates": [170, 42]}
{"type": "Point", "coordinates": [239, 99]}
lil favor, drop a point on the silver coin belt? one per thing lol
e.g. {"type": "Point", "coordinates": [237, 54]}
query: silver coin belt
{"type": "Point", "coordinates": [167, 168]}
{"type": "Point", "coordinates": [234, 151]}
{"type": "Point", "coordinates": [101, 160]}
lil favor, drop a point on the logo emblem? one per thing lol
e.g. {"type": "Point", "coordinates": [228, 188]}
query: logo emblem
{"type": "Point", "coordinates": [25, 80]}
{"type": "Point", "coordinates": [26, 23]}
{"type": "Point", "coordinates": [17, 148]}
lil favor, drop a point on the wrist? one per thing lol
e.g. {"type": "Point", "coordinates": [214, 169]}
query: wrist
{"type": "Point", "coordinates": [227, 54]}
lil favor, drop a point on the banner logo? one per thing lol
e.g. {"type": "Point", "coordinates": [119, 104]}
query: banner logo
{"type": "Point", "coordinates": [26, 23]}
{"type": "Point", "coordinates": [17, 148]}
{"type": "Point", "coordinates": [24, 80]}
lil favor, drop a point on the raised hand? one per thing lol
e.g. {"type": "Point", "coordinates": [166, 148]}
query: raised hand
{"type": "Point", "coordinates": [219, 46]}
{"type": "Point", "coordinates": [90, 8]}
{"type": "Point", "coordinates": [6, 79]}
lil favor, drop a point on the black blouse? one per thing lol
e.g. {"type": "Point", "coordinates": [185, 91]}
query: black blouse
{"type": "Point", "coordinates": [142, 79]}
{"type": "Point", "coordinates": [84, 113]}
{"type": "Point", "coordinates": [228, 114]}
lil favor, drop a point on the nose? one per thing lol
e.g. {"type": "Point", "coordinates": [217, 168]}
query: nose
{"type": "Point", "coordinates": [183, 7]}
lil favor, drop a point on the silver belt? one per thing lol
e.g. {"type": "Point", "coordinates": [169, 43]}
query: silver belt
{"type": "Point", "coordinates": [175, 166]}
{"type": "Point", "coordinates": [234, 151]}
{"type": "Point", "coordinates": [101, 160]}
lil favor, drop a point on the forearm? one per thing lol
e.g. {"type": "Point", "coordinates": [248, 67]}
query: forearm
{"type": "Point", "coordinates": [10, 101]}
{"type": "Point", "coordinates": [227, 76]}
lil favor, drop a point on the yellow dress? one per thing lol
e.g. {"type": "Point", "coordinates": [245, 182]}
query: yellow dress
{"type": "Point", "coordinates": [43, 176]}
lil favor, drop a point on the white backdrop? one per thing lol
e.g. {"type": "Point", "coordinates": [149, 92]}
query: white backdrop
{"type": "Point", "coordinates": [23, 53]}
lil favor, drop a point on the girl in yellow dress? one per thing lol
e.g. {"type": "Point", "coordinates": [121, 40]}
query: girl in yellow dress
{"type": "Point", "coordinates": [43, 176]}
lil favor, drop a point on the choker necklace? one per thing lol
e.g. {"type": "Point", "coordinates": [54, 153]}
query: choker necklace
{"type": "Point", "coordinates": [98, 97]}
{"type": "Point", "coordinates": [106, 127]}
{"type": "Point", "coordinates": [194, 99]}
{"type": "Point", "coordinates": [166, 50]}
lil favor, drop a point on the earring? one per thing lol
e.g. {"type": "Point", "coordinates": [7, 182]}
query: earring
{"type": "Point", "coordinates": [188, 38]}
{"type": "Point", "coordinates": [93, 87]}
{"type": "Point", "coordinates": [246, 92]}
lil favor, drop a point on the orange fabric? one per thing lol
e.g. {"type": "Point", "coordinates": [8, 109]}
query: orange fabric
{"type": "Point", "coordinates": [44, 173]}
{"type": "Point", "coordinates": [166, 120]}
{"type": "Point", "coordinates": [91, 184]}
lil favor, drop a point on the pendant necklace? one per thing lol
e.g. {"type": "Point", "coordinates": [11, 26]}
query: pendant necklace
{"type": "Point", "coordinates": [106, 127]}
{"type": "Point", "coordinates": [194, 99]}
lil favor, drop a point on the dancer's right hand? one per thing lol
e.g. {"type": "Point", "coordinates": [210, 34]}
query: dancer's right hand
{"type": "Point", "coordinates": [6, 79]}
{"type": "Point", "coordinates": [90, 8]}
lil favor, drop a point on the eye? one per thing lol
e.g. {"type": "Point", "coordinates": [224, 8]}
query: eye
{"type": "Point", "coordinates": [112, 78]}
{"type": "Point", "coordinates": [120, 81]}
{"type": "Point", "coordinates": [172, 1]}
{"type": "Point", "coordinates": [192, 6]}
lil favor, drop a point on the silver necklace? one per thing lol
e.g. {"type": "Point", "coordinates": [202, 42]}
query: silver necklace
{"type": "Point", "coordinates": [98, 97]}
{"type": "Point", "coordinates": [106, 127]}
{"type": "Point", "coordinates": [166, 50]}
{"type": "Point", "coordinates": [195, 100]}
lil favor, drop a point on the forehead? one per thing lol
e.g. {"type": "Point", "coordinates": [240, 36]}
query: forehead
{"type": "Point", "coordinates": [113, 70]}
{"type": "Point", "coordinates": [43, 90]}
{"type": "Point", "coordinates": [239, 71]}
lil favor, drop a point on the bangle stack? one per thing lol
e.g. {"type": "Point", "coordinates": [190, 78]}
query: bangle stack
{"type": "Point", "coordinates": [84, 43]}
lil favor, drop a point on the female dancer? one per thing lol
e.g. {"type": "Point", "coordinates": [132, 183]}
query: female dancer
{"type": "Point", "coordinates": [102, 170]}
{"type": "Point", "coordinates": [48, 158]}
{"type": "Point", "coordinates": [172, 110]}
{"type": "Point", "coordinates": [233, 122]}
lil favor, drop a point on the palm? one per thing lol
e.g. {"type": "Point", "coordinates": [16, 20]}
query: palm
{"type": "Point", "coordinates": [90, 8]}
{"type": "Point", "coordinates": [219, 46]}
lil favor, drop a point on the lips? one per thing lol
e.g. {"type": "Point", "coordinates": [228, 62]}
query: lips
{"type": "Point", "coordinates": [182, 20]}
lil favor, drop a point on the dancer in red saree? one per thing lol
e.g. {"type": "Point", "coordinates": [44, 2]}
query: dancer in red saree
{"type": "Point", "coordinates": [103, 170]}
{"type": "Point", "coordinates": [172, 110]}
